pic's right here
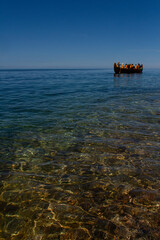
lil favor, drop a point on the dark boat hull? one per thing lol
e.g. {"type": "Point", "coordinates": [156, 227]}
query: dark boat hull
{"type": "Point", "coordinates": [124, 70]}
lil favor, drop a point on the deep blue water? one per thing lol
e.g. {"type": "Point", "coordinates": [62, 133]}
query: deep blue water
{"type": "Point", "coordinates": [79, 154]}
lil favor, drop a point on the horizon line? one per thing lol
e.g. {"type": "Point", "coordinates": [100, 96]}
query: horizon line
{"type": "Point", "coordinates": [62, 68]}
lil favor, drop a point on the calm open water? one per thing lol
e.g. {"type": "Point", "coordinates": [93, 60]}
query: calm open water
{"type": "Point", "coordinates": [80, 155]}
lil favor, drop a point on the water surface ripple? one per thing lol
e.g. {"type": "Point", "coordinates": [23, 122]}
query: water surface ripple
{"type": "Point", "coordinates": [79, 155]}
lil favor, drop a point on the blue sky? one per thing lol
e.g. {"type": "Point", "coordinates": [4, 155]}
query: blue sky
{"type": "Point", "coordinates": [77, 34]}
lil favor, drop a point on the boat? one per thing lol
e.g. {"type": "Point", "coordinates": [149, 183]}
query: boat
{"type": "Point", "coordinates": [128, 68]}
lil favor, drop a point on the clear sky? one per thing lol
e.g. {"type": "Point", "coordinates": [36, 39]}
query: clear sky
{"type": "Point", "coordinates": [77, 34]}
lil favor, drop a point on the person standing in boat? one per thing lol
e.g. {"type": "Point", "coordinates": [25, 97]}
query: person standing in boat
{"type": "Point", "coordinates": [118, 65]}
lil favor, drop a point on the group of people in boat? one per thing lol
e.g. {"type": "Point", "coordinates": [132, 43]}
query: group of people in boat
{"type": "Point", "coordinates": [128, 66]}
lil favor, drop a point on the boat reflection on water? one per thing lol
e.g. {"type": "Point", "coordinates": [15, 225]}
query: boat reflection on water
{"type": "Point", "coordinates": [127, 80]}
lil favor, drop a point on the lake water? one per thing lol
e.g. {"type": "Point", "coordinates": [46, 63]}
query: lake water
{"type": "Point", "coordinates": [80, 155]}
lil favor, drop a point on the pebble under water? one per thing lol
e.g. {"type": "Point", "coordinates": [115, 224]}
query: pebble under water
{"type": "Point", "coordinates": [80, 155]}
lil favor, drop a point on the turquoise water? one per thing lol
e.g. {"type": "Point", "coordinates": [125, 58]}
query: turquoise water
{"type": "Point", "coordinates": [79, 155]}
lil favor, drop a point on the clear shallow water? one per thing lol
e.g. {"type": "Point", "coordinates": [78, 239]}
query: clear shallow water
{"type": "Point", "coordinates": [79, 155]}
